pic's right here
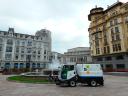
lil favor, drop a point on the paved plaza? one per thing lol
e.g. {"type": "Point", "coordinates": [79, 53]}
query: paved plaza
{"type": "Point", "coordinates": [114, 86]}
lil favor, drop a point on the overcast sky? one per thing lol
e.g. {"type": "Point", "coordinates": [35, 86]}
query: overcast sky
{"type": "Point", "coordinates": [66, 19]}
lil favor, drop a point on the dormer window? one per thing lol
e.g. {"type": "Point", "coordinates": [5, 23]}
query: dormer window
{"type": "Point", "coordinates": [10, 42]}
{"type": "Point", "coordinates": [11, 31]}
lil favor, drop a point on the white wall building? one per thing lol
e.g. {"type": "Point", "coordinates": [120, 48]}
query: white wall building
{"type": "Point", "coordinates": [23, 50]}
{"type": "Point", "coordinates": [77, 55]}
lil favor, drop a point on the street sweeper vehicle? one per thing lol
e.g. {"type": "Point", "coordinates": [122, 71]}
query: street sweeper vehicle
{"type": "Point", "coordinates": [90, 74]}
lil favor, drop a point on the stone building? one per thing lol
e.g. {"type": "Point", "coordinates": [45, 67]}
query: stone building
{"type": "Point", "coordinates": [24, 51]}
{"type": "Point", "coordinates": [77, 55]}
{"type": "Point", "coordinates": [108, 33]}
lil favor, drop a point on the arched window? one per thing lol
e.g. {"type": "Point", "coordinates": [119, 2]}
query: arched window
{"type": "Point", "coordinates": [9, 41]}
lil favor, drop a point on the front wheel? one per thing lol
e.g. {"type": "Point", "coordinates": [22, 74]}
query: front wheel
{"type": "Point", "coordinates": [93, 83]}
{"type": "Point", "coordinates": [72, 83]}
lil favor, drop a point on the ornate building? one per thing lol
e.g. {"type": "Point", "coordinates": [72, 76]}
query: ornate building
{"type": "Point", "coordinates": [77, 55]}
{"type": "Point", "coordinates": [108, 33]}
{"type": "Point", "coordinates": [23, 50]}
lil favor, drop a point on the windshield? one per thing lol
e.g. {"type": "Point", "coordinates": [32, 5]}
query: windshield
{"type": "Point", "coordinates": [68, 67]}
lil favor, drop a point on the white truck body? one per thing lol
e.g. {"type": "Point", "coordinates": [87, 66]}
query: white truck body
{"type": "Point", "coordinates": [89, 70]}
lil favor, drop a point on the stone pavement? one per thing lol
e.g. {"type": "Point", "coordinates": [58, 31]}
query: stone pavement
{"type": "Point", "coordinates": [114, 86]}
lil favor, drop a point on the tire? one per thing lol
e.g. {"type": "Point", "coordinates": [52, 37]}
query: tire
{"type": "Point", "coordinates": [72, 83]}
{"type": "Point", "coordinates": [93, 83]}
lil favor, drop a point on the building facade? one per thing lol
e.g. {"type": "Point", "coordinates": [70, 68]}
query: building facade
{"type": "Point", "coordinates": [56, 57]}
{"type": "Point", "coordinates": [77, 55]}
{"type": "Point", "coordinates": [108, 33]}
{"type": "Point", "coordinates": [23, 50]}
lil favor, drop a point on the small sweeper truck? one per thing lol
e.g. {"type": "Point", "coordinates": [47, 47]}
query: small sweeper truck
{"type": "Point", "coordinates": [71, 74]}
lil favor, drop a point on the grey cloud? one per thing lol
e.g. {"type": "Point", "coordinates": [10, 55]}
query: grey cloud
{"type": "Point", "coordinates": [39, 9]}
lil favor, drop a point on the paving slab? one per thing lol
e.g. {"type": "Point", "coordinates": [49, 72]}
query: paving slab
{"type": "Point", "coordinates": [114, 86]}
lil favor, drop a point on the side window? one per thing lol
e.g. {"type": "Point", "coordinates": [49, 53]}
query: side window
{"type": "Point", "coordinates": [85, 69]}
{"type": "Point", "coordinates": [72, 67]}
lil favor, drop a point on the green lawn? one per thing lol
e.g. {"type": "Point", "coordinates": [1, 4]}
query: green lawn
{"type": "Point", "coordinates": [24, 79]}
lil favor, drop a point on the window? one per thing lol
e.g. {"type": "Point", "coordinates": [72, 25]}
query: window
{"type": "Point", "coordinates": [99, 59]}
{"type": "Point", "coordinates": [1, 40]}
{"type": "Point", "coordinates": [120, 66]}
{"type": "Point", "coordinates": [111, 23]}
{"type": "Point", "coordinates": [116, 29]}
{"type": "Point", "coordinates": [0, 47]}
{"type": "Point", "coordinates": [97, 50]}
{"type": "Point", "coordinates": [22, 50]}
{"type": "Point", "coordinates": [38, 65]}
{"type": "Point", "coordinates": [113, 38]}
{"type": "Point", "coordinates": [126, 19]}
{"type": "Point", "coordinates": [115, 21]}
{"type": "Point", "coordinates": [17, 42]}
{"type": "Point", "coordinates": [7, 65]}
{"type": "Point", "coordinates": [68, 67]}
{"type": "Point", "coordinates": [120, 57]}
{"type": "Point", "coordinates": [21, 65]}
{"type": "Point", "coordinates": [9, 42]}
{"type": "Point", "coordinates": [104, 50]}
{"type": "Point", "coordinates": [23, 43]}
{"type": "Point", "coordinates": [108, 49]}
{"type": "Point", "coordinates": [108, 58]}
{"type": "Point", "coordinates": [28, 57]}
{"type": "Point", "coordinates": [38, 51]}
{"type": "Point", "coordinates": [112, 31]}
{"type": "Point", "coordinates": [29, 43]}
{"type": "Point", "coordinates": [16, 57]}
{"type": "Point", "coordinates": [8, 49]}
{"type": "Point", "coordinates": [44, 57]}
{"type": "Point", "coordinates": [44, 51]}
{"type": "Point", "coordinates": [71, 59]}
{"type": "Point", "coordinates": [8, 56]}
{"type": "Point", "coordinates": [85, 69]}
{"type": "Point", "coordinates": [38, 57]}
{"type": "Point", "coordinates": [109, 66]}
{"type": "Point", "coordinates": [29, 50]}
{"type": "Point", "coordinates": [113, 47]}
{"type": "Point", "coordinates": [105, 41]}
{"type": "Point", "coordinates": [16, 65]}
{"type": "Point", "coordinates": [119, 47]}
{"type": "Point", "coordinates": [17, 49]}
{"type": "Point", "coordinates": [116, 47]}
{"type": "Point", "coordinates": [34, 51]}
{"type": "Point", "coordinates": [22, 57]}
{"type": "Point", "coordinates": [117, 37]}
{"type": "Point", "coordinates": [97, 42]}
{"type": "Point", "coordinates": [33, 65]}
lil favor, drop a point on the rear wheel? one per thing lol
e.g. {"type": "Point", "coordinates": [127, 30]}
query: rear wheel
{"type": "Point", "coordinates": [72, 83]}
{"type": "Point", "coordinates": [93, 83]}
